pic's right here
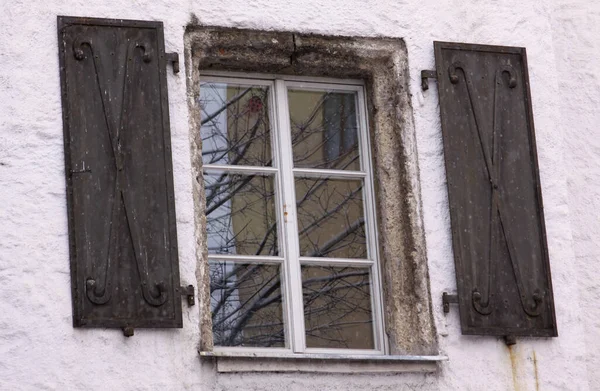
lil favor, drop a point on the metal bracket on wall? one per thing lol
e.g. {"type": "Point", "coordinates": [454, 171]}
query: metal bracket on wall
{"type": "Point", "coordinates": [173, 58]}
{"type": "Point", "coordinates": [189, 292]}
{"type": "Point", "coordinates": [425, 76]}
{"type": "Point", "coordinates": [447, 299]}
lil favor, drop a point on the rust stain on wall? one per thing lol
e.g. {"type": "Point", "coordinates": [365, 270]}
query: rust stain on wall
{"type": "Point", "coordinates": [520, 369]}
{"type": "Point", "coordinates": [535, 372]}
{"type": "Point", "coordinates": [514, 365]}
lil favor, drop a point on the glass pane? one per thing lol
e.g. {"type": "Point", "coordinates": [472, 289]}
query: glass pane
{"type": "Point", "coordinates": [337, 307]}
{"type": "Point", "coordinates": [246, 304]}
{"type": "Point", "coordinates": [331, 220]}
{"type": "Point", "coordinates": [235, 126]}
{"type": "Point", "coordinates": [324, 129]}
{"type": "Point", "coordinates": [240, 214]}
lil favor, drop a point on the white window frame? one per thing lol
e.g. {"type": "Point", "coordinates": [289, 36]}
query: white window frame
{"type": "Point", "coordinates": [284, 174]}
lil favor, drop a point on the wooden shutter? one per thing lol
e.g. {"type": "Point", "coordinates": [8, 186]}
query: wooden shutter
{"type": "Point", "coordinates": [123, 244]}
{"type": "Point", "coordinates": [499, 239]}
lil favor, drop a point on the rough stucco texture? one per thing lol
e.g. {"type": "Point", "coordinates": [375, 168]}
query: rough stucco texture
{"type": "Point", "coordinates": [39, 349]}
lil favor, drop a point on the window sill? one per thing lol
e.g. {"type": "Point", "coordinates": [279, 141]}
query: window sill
{"type": "Point", "coordinates": [227, 362]}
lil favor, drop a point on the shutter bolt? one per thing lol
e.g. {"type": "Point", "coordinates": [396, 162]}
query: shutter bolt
{"type": "Point", "coordinates": [128, 331]}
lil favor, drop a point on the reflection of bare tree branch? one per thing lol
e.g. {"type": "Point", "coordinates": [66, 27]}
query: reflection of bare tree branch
{"type": "Point", "coordinates": [229, 139]}
{"type": "Point", "coordinates": [333, 303]}
{"type": "Point", "coordinates": [328, 213]}
{"type": "Point", "coordinates": [225, 106]}
{"type": "Point", "coordinates": [256, 305]}
{"type": "Point", "coordinates": [209, 197]}
{"type": "Point", "coordinates": [246, 299]}
{"type": "Point", "coordinates": [334, 135]}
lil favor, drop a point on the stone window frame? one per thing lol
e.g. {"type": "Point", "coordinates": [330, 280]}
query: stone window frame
{"type": "Point", "coordinates": [383, 64]}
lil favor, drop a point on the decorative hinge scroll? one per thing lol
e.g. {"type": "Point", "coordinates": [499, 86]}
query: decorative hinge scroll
{"type": "Point", "coordinates": [447, 299]}
{"type": "Point", "coordinates": [425, 76]}
{"type": "Point", "coordinates": [173, 58]}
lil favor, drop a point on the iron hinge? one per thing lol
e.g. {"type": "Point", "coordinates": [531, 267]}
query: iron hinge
{"type": "Point", "coordinates": [425, 76]}
{"type": "Point", "coordinates": [190, 294]}
{"type": "Point", "coordinates": [188, 291]}
{"type": "Point", "coordinates": [173, 58]}
{"type": "Point", "coordinates": [447, 299]}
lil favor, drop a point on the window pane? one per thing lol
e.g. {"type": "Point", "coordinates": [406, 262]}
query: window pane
{"type": "Point", "coordinates": [337, 307]}
{"type": "Point", "coordinates": [240, 214]}
{"type": "Point", "coordinates": [324, 129]}
{"type": "Point", "coordinates": [246, 304]}
{"type": "Point", "coordinates": [235, 126]}
{"type": "Point", "coordinates": [331, 220]}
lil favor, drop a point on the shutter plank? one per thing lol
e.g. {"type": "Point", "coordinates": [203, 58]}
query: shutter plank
{"type": "Point", "coordinates": [124, 265]}
{"type": "Point", "coordinates": [499, 241]}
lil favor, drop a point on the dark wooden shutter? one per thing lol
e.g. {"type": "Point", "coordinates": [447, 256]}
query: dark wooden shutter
{"type": "Point", "coordinates": [123, 244]}
{"type": "Point", "coordinates": [499, 239]}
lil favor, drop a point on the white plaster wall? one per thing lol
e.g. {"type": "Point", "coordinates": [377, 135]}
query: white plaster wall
{"type": "Point", "coordinates": [579, 88]}
{"type": "Point", "coordinates": [39, 349]}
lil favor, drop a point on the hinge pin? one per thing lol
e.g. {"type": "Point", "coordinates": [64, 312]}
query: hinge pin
{"type": "Point", "coordinates": [447, 299]}
{"type": "Point", "coordinates": [189, 292]}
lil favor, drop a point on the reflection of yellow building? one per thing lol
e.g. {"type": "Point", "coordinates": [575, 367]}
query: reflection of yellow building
{"type": "Point", "coordinates": [253, 216]}
{"type": "Point", "coordinates": [330, 212]}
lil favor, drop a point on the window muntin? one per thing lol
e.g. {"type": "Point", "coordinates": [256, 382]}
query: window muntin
{"type": "Point", "coordinates": [323, 235]}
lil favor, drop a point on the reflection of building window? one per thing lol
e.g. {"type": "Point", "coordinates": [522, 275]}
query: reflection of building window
{"type": "Point", "coordinates": [339, 117]}
{"type": "Point", "coordinates": [290, 215]}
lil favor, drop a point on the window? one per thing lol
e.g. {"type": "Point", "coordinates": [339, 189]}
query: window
{"type": "Point", "coordinates": [290, 215]}
{"type": "Point", "coordinates": [225, 61]}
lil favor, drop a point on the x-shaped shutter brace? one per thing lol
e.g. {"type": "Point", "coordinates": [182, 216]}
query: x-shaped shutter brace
{"type": "Point", "coordinates": [499, 227]}
{"type": "Point", "coordinates": [97, 294]}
